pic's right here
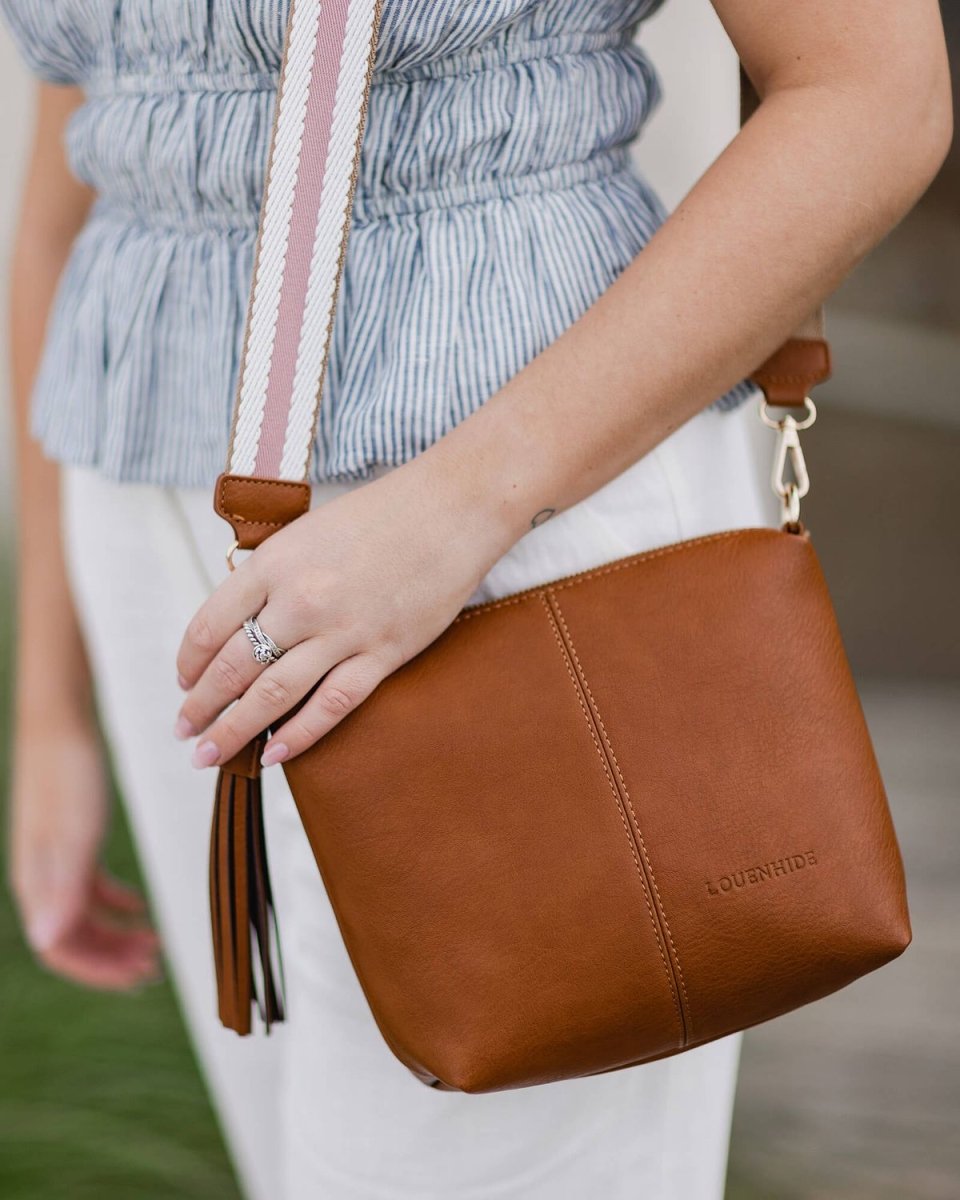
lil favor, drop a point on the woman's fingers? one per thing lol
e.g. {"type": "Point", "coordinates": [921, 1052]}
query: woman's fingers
{"type": "Point", "coordinates": [119, 906]}
{"type": "Point", "coordinates": [112, 893]}
{"type": "Point", "coordinates": [242, 594]}
{"type": "Point", "coordinates": [267, 700]}
{"type": "Point", "coordinates": [234, 672]}
{"type": "Point", "coordinates": [97, 941]}
{"type": "Point", "coordinates": [224, 680]}
{"type": "Point", "coordinates": [344, 689]}
{"type": "Point", "coordinates": [97, 955]}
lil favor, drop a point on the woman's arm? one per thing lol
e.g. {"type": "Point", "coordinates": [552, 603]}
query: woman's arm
{"type": "Point", "coordinates": [60, 785]}
{"type": "Point", "coordinates": [854, 123]}
{"type": "Point", "coordinates": [54, 678]}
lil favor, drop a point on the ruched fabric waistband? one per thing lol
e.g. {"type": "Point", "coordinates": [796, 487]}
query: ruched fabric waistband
{"type": "Point", "coordinates": [501, 120]}
{"type": "Point", "coordinates": [382, 205]}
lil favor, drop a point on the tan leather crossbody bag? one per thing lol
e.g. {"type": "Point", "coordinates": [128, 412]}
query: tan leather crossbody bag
{"type": "Point", "coordinates": [596, 823]}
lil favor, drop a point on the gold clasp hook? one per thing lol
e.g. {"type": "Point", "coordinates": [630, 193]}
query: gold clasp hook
{"type": "Point", "coordinates": [234, 547]}
{"type": "Point", "coordinates": [789, 460]}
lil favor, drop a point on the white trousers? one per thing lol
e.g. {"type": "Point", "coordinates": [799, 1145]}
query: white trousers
{"type": "Point", "coordinates": [320, 1110]}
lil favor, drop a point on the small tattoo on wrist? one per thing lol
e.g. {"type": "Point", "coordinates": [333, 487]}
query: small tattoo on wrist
{"type": "Point", "coordinates": [542, 516]}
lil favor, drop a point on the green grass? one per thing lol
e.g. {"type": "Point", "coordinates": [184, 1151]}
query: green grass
{"type": "Point", "coordinates": [99, 1095]}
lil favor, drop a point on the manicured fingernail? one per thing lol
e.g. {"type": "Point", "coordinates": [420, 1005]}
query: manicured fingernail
{"type": "Point", "coordinates": [183, 683]}
{"type": "Point", "coordinates": [42, 931]}
{"type": "Point", "coordinates": [206, 754]}
{"type": "Point", "coordinates": [276, 752]}
{"type": "Point", "coordinates": [183, 729]}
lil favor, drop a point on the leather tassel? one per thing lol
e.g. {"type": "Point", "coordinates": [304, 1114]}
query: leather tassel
{"type": "Point", "coordinates": [241, 902]}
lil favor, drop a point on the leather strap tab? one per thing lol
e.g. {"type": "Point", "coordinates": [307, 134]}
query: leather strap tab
{"type": "Point", "coordinates": [789, 374]}
{"type": "Point", "coordinates": [255, 508]}
{"type": "Point", "coordinates": [246, 762]}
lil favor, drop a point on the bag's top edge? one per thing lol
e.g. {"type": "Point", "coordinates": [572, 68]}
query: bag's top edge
{"type": "Point", "coordinates": [620, 564]}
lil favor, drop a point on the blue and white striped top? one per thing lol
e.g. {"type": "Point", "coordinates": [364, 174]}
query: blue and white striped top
{"type": "Point", "coordinates": [496, 203]}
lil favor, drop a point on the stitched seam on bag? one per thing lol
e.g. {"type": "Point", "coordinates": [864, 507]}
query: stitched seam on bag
{"type": "Point", "coordinates": [620, 810]}
{"type": "Point", "coordinates": [643, 848]}
{"type": "Point", "coordinates": [612, 568]}
{"type": "Point", "coordinates": [235, 481]}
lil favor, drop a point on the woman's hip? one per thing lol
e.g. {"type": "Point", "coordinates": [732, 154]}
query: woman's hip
{"type": "Point", "coordinates": [706, 477]}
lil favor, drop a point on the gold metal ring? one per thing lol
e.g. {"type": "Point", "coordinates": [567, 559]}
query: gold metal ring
{"type": "Point", "coordinates": [778, 422]}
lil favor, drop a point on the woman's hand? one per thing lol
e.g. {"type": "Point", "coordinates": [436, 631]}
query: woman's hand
{"type": "Point", "coordinates": [80, 922]}
{"type": "Point", "coordinates": [351, 591]}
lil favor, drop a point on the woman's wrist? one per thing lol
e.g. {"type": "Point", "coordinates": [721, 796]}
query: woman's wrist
{"type": "Point", "coordinates": [485, 485]}
{"type": "Point", "coordinates": [53, 687]}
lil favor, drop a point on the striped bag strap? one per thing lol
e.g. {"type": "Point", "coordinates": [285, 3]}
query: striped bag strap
{"type": "Point", "coordinates": [321, 109]}
{"type": "Point", "coordinates": [304, 223]}
{"type": "Point", "coordinates": [304, 227]}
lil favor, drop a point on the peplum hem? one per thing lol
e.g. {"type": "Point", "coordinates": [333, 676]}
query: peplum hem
{"type": "Point", "coordinates": [439, 308]}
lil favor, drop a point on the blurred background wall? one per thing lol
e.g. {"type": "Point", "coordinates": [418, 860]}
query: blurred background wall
{"type": "Point", "coordinates": [856, 1098]}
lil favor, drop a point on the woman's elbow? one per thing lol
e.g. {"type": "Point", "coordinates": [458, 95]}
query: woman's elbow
{"type": "Point", "coordinates": [935, 129]}
{"type": "Point", "coordinates": [924, 126]}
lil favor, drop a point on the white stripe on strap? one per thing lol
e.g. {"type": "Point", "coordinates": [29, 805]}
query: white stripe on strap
{"type": "Point", "coordinates": [304, 226]}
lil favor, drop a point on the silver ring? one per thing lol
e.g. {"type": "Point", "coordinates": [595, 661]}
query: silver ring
{"type": "Point", "coordinates": [265, 649]}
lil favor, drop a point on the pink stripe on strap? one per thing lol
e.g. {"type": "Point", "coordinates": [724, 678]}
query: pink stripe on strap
{"type": "Point", "coordinates": [308, 194]}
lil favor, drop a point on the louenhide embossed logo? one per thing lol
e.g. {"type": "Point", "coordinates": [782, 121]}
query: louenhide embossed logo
{"type": "Point", "coordinates": [769, 872]}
